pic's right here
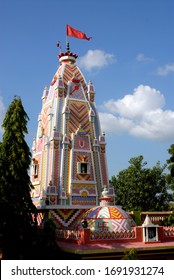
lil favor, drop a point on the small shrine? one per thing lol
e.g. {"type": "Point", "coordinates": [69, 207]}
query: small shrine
{"type": "Point", "coordinates": [150, 230]}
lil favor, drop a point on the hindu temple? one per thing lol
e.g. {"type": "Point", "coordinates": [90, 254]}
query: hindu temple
{"type": "Point", "coordinates": [69, 165]}
{"type": "Point", "coordinates": [70, 179]}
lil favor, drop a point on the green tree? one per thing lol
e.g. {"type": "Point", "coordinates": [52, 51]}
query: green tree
{"type": "Point", "coordinates": [16, 223]}
{"type": "Point", "coordinates": [141, 189]}
{"type": "Point", "coordinates": [170, 166]}
{"type": "Point", "coordinates": [131, 254]}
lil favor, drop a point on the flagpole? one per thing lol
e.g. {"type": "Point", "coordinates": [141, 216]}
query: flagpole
{"type": "Point", "coordinates": [67, 43]}
{"type": "Point", "coordinates": [66, 38]}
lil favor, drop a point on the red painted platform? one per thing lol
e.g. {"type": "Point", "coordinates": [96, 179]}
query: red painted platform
{"type": "Point", "coordinates": [105, 250]}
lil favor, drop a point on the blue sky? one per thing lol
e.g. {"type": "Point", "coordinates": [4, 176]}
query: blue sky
{"type": "Point", "coordinates": [130, 60]}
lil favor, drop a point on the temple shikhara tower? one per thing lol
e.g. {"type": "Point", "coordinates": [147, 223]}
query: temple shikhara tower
{"type": "Point", "coordinates": [69, 167]}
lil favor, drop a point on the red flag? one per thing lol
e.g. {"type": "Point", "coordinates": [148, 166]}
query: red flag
{"type": "Point", "coordinates": [76, 33]}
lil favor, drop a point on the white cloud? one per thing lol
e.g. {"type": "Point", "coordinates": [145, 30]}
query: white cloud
{"type": "Point", "coordinates": [144, 98]}
{"type": "Point", "coordinates": [114, 124]}
{"type": "Point", "coordinates": [142, 58]}
{"type": "Point", "coordinates": [2, 113]}
{"type": "Point", "coordinates": [139, 114]}
{"type": "Point", "coordinates": [96, 59]}
{"type": "Point", "coordinates": [157, 124]}
{"type": "Point", "coordinates": [166, 69]}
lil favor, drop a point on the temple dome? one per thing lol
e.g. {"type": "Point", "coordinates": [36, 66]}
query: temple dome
{"type": "Point", "coordinates": [107, 218]}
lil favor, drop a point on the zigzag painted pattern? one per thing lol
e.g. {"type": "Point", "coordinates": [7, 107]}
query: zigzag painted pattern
{"type": "Point", "coordinates": [108, 212]}
{"type": "Point", "coordinates": [103, 213]}
{"type": "Point", "coordinates": [66, 217]}
{"type": "Point", "coordinates": [41, 216]}
{"type": "Point", "coordinates": [79, 115]}
{"type": "Point", "coordinates": [125, 214]}
{"type": "Point", "coordinates": [68, 72]}
{"type": "Point", "coordinates": [115, 213]}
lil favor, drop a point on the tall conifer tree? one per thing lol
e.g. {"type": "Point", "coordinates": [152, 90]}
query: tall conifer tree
{"type": "Point", "coordinates": [15, 201]}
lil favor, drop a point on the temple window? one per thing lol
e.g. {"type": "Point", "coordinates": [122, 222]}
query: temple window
{"type": "Point", "coordinates": [35, 168]}
{"type": "Point", "coordinates": [83, 168]}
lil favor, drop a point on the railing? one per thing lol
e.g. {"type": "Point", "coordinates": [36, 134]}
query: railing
{"type": "Point", "coordinates": [155, 217]}
{"type": "Point", "coordinates": [68, 234]}
{"type": "Point", "coordinates": [112, 235]}
{"type": "Point", "coordinates": [168, 231]}
{"type": "Point", "coordinates": [86, 236]}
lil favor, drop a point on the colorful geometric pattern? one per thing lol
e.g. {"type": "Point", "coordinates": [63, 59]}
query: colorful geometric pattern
{"type": "Point", "coordinates": [40, 217]}
{"type": "Point", "coordinates": [121, 224]}
{"type": "Point", "coordinates": [110, 212]}
{"type": "Point", "coordinates": [108, 218]}
{"type": "Point", "coordinates": [66, 218]}
{"type": "Point", "coordinates": [77, 188]}
{"type": "Point", "coordinates": [69, 71]}
{"type": "Point", "coordinates": [79, 115]}
{"type": "Point", "coordinates": [56, 168]}
{"type": "Point", "coordinates": [102, 235]}
{"type": "Point", "coordinates": [84, 200]}
{"type": "Point", "coordinates": [104, 168]}
{"type": "Point", "coordinates": [66, 171]}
